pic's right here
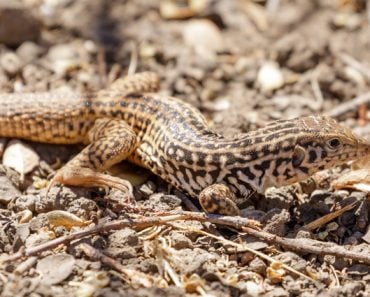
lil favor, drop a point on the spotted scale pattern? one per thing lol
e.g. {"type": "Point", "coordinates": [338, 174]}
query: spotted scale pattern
{"type": "Point", "coordinates": [172, 139]}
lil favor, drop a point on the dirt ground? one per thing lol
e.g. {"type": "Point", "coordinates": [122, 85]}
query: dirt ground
{"type": "Point", "coordinates": [242, 63]}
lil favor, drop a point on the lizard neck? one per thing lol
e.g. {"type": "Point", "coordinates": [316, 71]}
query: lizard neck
{"type": "Point", "coordinates": [251, 161]}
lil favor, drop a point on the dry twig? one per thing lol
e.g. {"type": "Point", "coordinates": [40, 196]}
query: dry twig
{"type": "Point", "coordinates": [131, 276]}
{"type": "Point", "coordinates": [245, 248]}
{"type": "Point", "coordinates": [102, 66]}
{"type": "Point", "coordinates": [306, 245]}
{"type": "Point", "coordinates": [301, 245]}
{"type": "Point", "coordinates": [351, 61]}
{"type": "Point", "coordinates": [349, 106]}
{"type": "Point", "coordinates": [133, 59]}
{"type": "Point", "coordinates": [137, 222]}
{"type": "Point", "coordinates": [329, 217]}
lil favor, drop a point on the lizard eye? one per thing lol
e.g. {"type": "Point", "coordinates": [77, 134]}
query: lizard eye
{"type": "Point", "coordinates": [334, 143]}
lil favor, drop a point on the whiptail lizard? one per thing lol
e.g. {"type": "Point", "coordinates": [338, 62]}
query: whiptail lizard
{"type": "Point", "coordinates": [172, 139]}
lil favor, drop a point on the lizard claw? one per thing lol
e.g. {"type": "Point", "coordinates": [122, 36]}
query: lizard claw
{"type": "Point", "coordinates": [52, 183]}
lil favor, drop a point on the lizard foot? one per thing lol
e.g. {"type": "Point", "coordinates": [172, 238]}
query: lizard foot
{"type": "Point", "coordinates": [218, 198]}
{"type": "Point", "coordinates": [86, 177]}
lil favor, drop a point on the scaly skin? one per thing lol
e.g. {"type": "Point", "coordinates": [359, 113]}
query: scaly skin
{"type": "Point", "coordinates": [172, 139]}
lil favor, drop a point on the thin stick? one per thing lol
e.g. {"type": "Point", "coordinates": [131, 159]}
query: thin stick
{"type": "Point", "coordinates": [337, 282]}
{"type": "Point", "coordinates": [130, 275]}
{"type": "Point", "coordinates": [139, 223]}
{"type": "Point", "coordinates": [302, 245]}
{"type": "Point", "coordinates": [329, 217]}
{"type": "Point", "coordinates": [349, 106]}
{"type": "Point", "coordinates": [316, 90]}
{"type": "Point", "coordinates": [102, 66]}
{"type": "Point", "coordinates": [246, 248]}
{"type": "Point", "coordinates": [133, 59]}
{"type": "Point", "coordinates": [306, 245]}
{"type": "Point", "coordinates": [360, 67]}
{"type": "Point", "coordinates": [187, 202]}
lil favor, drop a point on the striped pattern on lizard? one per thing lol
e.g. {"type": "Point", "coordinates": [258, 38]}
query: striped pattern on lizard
{"type": "Point", "coordinates": [172, 139]}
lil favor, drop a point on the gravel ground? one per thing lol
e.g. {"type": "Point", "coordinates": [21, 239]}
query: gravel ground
{"type": "Point", "coordinates": [243, 64]}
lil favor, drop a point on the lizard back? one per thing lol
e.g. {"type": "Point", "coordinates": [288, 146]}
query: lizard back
{"type": "Point", "coordinates": [175, 142]}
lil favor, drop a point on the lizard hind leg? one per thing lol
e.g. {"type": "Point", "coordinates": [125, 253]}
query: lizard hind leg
{"type": "Point", "coordinates": [218, 198]}
{"type": "Point", "coordinates": [111, 141]}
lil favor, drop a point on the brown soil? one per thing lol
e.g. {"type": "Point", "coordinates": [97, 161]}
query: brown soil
{"type": "Point", "coordinates": [211, 55]}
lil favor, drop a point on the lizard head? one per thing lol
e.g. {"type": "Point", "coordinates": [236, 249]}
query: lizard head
{"type": "Point", "coordinates": [315, 143]}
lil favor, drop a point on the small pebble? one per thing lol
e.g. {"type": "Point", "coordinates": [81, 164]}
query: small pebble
{"type": "Point", "coordinates": [7, 190]}
{"type": "Point", "coordinates": [258, 266]}
{"type": "Point", "coordinates": [304, 234]}
{"type": "Point", "coordinates": [63, 58]}
{"type": "Point", "coordinates": [349, 21]}
{"type": "Point", "coordinates": [11, 63]}
{"type": "Point", "coordinates": [204, 37]}
{"type": "Point", "coordinates": [28, 51]}
{"type": "Point", "coordinates": [91, 46]}
{"type": "Point", "coordinates": [25, 202]}
{"type": "Point", "coordinates": [246, 258]}
{"type": "Point", "coordinates": [148, 188]}
{"type": "Point", "coordinates": [270, 77]}
{"type": "Point", "coordinates": [180, 241]}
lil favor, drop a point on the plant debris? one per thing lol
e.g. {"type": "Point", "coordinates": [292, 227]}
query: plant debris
{"type": "Point", "coordinates": [243, 63]}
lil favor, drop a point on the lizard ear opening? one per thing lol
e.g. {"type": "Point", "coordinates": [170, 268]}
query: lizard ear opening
{"type": "Point", "coordinates": [298, 156]}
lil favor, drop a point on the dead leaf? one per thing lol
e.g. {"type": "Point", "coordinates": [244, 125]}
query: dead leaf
{"type": "Point", "coordinates": [327, 218]}
{"type": "Point", "coordinates": [172, 9]}
{"type": "Point", "coordinates": [357, 179]}
{"type": "Point", "coordinates": [55, 268]}
{"type": "Point", "coordinates": [275, 272]}
{"type": "Point", "coordinates": [257, 14]}
{"type": "Point", "coordinates": [66, 219]}
{"type": "Point", "coordinates": [92, 283]}
{"type": "Point", "coordinates": [24, 216]}
{"type": "Point", "coordinates": [204, 36]}
{"type": "Point", "coordinates": [21, 157]}
{"type": "Point", "coordinates": [39, 183]}
{"type": "Point", "coordinates": [193, 284]}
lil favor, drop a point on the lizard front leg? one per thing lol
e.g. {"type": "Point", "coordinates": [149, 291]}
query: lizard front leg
{"type": "Point", "coordinates": [218, 198]}
{"type": "Point", "coordinates": [143, 82]}
{"type": "Point", "coordinates": [111, 141]}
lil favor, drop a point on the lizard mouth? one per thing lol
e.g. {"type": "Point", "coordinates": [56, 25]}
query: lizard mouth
{"type": "Point", "coordinates": [363, 148]}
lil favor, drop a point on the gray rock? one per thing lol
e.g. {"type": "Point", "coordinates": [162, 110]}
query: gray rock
{"type": "Point", "coordinates": [28, 51]}
{"type": "Point", "coordinates": [25, 202]}
{"type": "Point", "coordinates": [123, 244]}
{"type": "Point", "coordinates": [276, 220]}
{"type": "Point", "coordinates": [7, 190]}
{"type": "Point", "coordinates": [17, 24]}
{"type": "Point", "coordinates": [63, 58]}
{"type": "Point", "coordinates": [11, 63]}
{"type": "Point", "coordinates": [180, 241]}
{"type": "Point", "coordinates": [257, 265]}
{"type": "Point", "coordinates": [55, 268]}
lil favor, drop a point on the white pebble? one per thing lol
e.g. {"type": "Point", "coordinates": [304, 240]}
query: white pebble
{"type": "Point", "coordinates": [11, 63]}
{"type": "Point", "coordinates": [270, 77]}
